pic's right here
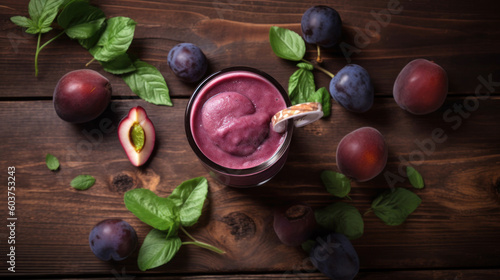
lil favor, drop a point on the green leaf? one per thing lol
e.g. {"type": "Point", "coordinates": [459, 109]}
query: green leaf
{"type": "Point", "coordinates": [394, 206]}
{"type": "Point", "coordinates": [115, 39]}
{"type": "Point", "coordinates": [148, 83]}
{"type": "Point", "coordinates": [22, 21]}
{"type": "Point", "coordinates": [189, 197]}
{"type": "Point", "coordinates": [157, 249]}
{"type": "Point", "coordinates": [342, 218]}
{"type": "Point", "coordinates": [323, 96]}
{"type": "Point", "coordinates": [415, 178]}
{"type": "Point", "coordinates": [305, 66]}
{"type": "Point", "coordinates": [286, 43]}
{"type": "Point", "coordinates": [92, 41]}
{"type": "Point", "coordinates": [81, 20]}
{"type": "Point", "coordinates": [120, 65]}
{"type": "Point", "coordinates": [43, 13]}
{"type": "Point", "coordinates": [301, 86]}
{"type": "Point", "coordinates": [82, 182]}
{"type": "Point", "coordinates": [52, 162]}
{"type": "Point", "coordinates": [158, 212]}
{"type": "Point", "coordinates": [336, 183]}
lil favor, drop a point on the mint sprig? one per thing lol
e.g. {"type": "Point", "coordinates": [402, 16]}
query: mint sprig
{"type": "Point", "coordinates": [287, 44]}
{"type": "Point", "coordinates": [167, 215]}
{"type": "Point", "coordinates": [108, 40]}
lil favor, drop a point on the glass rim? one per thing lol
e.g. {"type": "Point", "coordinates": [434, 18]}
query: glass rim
{"type": "Point", "coordinates": [233, 171]}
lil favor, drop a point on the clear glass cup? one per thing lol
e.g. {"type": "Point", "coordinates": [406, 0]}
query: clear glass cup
{"type": "Point", "coordinates": [245, 177]}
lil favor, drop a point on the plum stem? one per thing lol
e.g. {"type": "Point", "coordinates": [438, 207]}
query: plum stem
{"type": "Point", "coordinates": [316, 65]}
{"type": "Point", "coordinates": [318, 58]}
{"type": "Point", "coordinates": [38, 48]}
{"type": "Point", "coordinates": [200, 244]}
{"type": "Point", "coordinates": [88, 63]}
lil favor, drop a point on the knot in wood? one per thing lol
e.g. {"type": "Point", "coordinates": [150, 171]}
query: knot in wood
{"type": "Point", "coordinates": [122, 183]}
{"type": "Point", "coordinates": [241, 225]}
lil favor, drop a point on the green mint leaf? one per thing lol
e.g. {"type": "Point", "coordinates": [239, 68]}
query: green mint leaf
{"type": "Point", "coordinates": [82, 182]}
{"type": "Point", "coordinates": [148, 83]}
{"type": "Point", "coordinates": [189, 197]}
{"type": "Point", "coordinates": [158, 212]}
{"type": "Point", "coordinates": [342, 218]}
{"type": "Point", "coordinates": [306, 66]}
{"type": "Point", "coordinates": [394, 206]}
{"type": "Point", "coordinates": [52, 162]}
{"type": "Point", "coordinates": [92, 41]}
{"type": "Point", "coordinates": [415, 178]}
{"type": "Point", "coordinates": [81, 20]}
{"type": "Point", "coordinates": [157, 249]}
{"type": "Point", "coordinates": [22, 21]}
{"type": "Point", "coordinates": [301, 86]}
{"type": "Point", "coordinates": [115, 39]}
{"type": "Point", "coordinates": [323, 96]}
{"type": "Point", "coordinates": [119, 65]}
{"type": "Point", "coordinates": [43, 13]}
{"type": "Point", "coordinates": [336, 183]}
{"type": "Point", "coordinates": [65, 3]}
{"type": "Point", "coordinates": [286, 43]}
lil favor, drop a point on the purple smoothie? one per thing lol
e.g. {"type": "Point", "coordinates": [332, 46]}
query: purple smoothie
{"type": "Point", "coordinates": [231, 120]}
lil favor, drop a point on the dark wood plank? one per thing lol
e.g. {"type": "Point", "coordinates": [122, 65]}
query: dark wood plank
{"type": "Point", "coordinates": [461, 36]}
{"type": "Point", "coordinates": [395, 275]}
{"type": "Point", "coordinates": [456, 225]}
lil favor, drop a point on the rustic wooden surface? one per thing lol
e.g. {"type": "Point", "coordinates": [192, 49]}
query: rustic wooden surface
{"type": "Point", "coordinates": [454, 234]}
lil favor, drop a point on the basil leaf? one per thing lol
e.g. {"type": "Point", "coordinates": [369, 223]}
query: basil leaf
{"type": "Point", "coordinates": [158, 212]}
{"type": "Point", "coordinates": [52, 162]}
{"type": "Point", "coordinates": [301, 86]}
{"type": "Point", "coordinates": [394, 206]}
{"type": "Point", "coordinates": [92, 41]}
{"type": "Point", "coordinates": [336, 183]}
{"type": "Point", "coordinates": [286, 43]}
{"type": "Point", "coordinates": [157, 249]}
{"type": "Point", "coordinates": [82, 182]}
{"type": "Point", "coordinates": [415, 178]}
{"type": "Point", "coordinates": [342, 218]}
{"type": "Point", "coordinates": [81, 20]}
{"type": "Point", "coordinates": [22, 21]}
{"type": "Point", "coordinates": [119, 65]}
{"type": "Point", "coordinates": [115, 40]}
{"type": "Point", "coordinates": [305, 66]}
{"type": "Point", "coordinates": [189, 197]}
{"type": "Point", "coordinates": [323, 96]}
{"type": "Point", "coordinates": [148, 83]}
{"type": "Point", "coordinates": [43, 13]}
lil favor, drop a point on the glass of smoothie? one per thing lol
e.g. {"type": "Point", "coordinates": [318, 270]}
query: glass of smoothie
{"type": "Point", "coordinates": [228, 126]}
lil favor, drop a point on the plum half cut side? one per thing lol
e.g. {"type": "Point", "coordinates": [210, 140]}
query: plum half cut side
{"type": "Point", "coordinates": [137, 136]}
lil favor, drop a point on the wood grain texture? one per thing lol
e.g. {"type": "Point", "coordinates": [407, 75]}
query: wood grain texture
{"type": "Point", "coordinates": [456, 225]}
{"type": "Point", "coordinates": [395, 275]}
{"type": "Point", "coordinates": [461, 36]}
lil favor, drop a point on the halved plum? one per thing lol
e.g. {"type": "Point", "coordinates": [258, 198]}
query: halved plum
{"type": "Point", "coordinates": [137, 136]}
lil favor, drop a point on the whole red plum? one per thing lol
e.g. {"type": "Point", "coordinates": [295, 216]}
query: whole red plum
{"type": "Point", "coordinates": [421, 87]}
{"type": "Point", "coordinates": [81, 95]}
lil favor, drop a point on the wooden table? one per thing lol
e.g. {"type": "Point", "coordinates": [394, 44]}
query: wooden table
{"type": "Point", "coordinates": [454, 234]}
